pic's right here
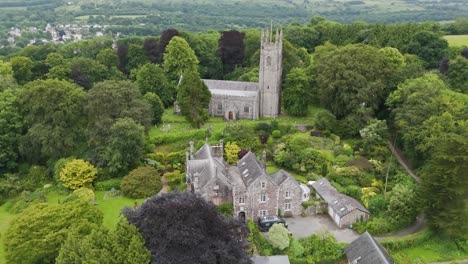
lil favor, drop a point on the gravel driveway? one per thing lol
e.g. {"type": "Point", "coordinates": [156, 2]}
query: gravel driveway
{"type": "Point", "coordinates": [305, 226]}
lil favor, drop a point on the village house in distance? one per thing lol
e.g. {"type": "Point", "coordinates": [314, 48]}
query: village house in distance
{"type": "Point", "coordinates": [235, 100]}
{"type": "Point", "coordinates": [252, 191]}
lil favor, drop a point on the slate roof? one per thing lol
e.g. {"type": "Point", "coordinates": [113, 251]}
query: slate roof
{"type": "Point", "coordinates": [341, 204]}
{"type": "Point", "coordinates": [231, 85]}
{"type": "Point", "coordinates": [206, 166]}
{"type": "Point", "coordinates": [250, 168]}
{"type": "Point", "coordinates": [280, 176]}
{"type": "Point", "coordinates": [366, 250]}
{"type": "Point", "coordinates": [270, 260]}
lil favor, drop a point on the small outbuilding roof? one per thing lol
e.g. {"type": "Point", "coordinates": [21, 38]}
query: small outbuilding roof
{"type": "Point", "coordinates": [270, 260]}
{"type": "Point", "coordinates": [341, 204]}
{"type": "Point", "coordinates": [366, 250]}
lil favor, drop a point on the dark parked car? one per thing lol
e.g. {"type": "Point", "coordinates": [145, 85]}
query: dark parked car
{"type": "Point", "coordinates": [265, 222]}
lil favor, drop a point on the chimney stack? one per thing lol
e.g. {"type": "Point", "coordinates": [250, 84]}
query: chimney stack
{"type": "Point", "coordinates": [191, 149]}
{"type": "Point", "coordinates": [264, 159]}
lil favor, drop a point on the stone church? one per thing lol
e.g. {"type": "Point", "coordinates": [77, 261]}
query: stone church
{"type": "Point", "coordinates": [248, 186]}
{"type": "Point", "coordinates": [235, 100]}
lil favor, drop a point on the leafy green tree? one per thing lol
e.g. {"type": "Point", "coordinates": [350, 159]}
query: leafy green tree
{"type": "Point", "coordinates": [185, 228]}
{"type": "Point", "coordinates": [22, 67]}
{"type": "Point", "coordinates": [125, 145]}
{"type": "Point", "coordinates": [85, 72]}
{"type": "Point", "coordinates": [77, 173]}
{"type": "Point", "coordinates": [142, 182]}
{"type": "Point", "coordinates": [136, 57]}
{"type": "Point", "coordinates": [458, 74]}
{"type": "Point", "coordinates": [108, 101]}
{"type": "Point", "coordinates": [179, 59]}
{"type": "Point", "coordinates": [151, 78]}
{"type": "Point", "coordinates": [231, 151]}
{"type": "Point", "coordinates": [10, 130]}
{"type": "Point", "coordinates": [6, 76]}
{"type": "Point", "coordinates": [428, 46]}
{"type": "Point", "coordinates": [375, 135]}
{"type": "Point", "coordinates": [350, 78]}
{"type": "Point", "coordinates": [419, 107]}
{"type": "Point", "coordinates": [53, 118]}
{"type": "Point", "coordinates": [278, 236]}
{"type": "Point", "coordinates": [296, 93]}
{"type": "Point", "coordinates": [38, 232]}
{"type": "Point", "coordinates": [302, 36]}
{"type": "Point", "coordinates": [402, 205]}
{"type": "Point", "coordinates": [193, 98]}
{"type": "Point", "coordinates": [156, 105]}
{"type": "Point", "coordinates": [122, 245]}
{"type": "Point", "coordinates": [55, 59]}
{"type": "Point", "coordinates": [108, 57]}
{"type": "Point", "coordinates": [445, 185]}
{"type": "Point", "coordinates": [205, 46]}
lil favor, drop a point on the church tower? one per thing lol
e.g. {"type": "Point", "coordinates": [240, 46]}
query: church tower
{"type": "Point", "coordinates": [270, 70]}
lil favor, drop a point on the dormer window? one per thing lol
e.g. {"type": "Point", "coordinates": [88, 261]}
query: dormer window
{"type": "Point", "coordinates": [263, 184]}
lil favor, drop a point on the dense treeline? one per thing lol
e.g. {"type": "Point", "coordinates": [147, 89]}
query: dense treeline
{"type": "Point", "coordinates": [90, 104]}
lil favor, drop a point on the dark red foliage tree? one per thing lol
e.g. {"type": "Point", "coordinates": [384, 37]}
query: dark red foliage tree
{"type": "Point", "coordinates": [464, 53]}
{"type": "Point", "coordinates": [242, 153]}
{"type": "Point", "coordinates": [231, 49]}
{"type": "Point", "coordinates": [444, 65]}
{"type": "Point", "coordinates": [185, 228]}
{"type": "Point", "coordinates": [264, 138]}
{"type": "Point", "coordinates": [122, 52]}
{"type": "Point", "coordinates": [150, 46]}
{"type": "Point", "coordinates": [165, 38]}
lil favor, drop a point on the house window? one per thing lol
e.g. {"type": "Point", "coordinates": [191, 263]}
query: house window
{"type": "Point", "coordinates": [287, 206]}
{"type": "Point", "coordinates": [246, 109]}
{"type": "Point", "coordinates": [287, 194]}
{"type": "Point", "coordinates": [305, 195]}
{"type": "Point", "coordinates": [242, 199]}
{"type": "Point", "coordinates": [220, 107]}
{"type": "Point", "coordinates": [263, 184]}
{"type": "Point", "coordinates": [262, 197]}
{"type": "Point", "coordinates": [262, 212]}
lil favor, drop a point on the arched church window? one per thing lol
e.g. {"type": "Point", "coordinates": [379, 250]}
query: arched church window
{"type": "Point", "coordinates": [220, 107]}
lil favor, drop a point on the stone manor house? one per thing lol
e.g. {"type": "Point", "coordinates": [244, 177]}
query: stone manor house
{"type": "Point", "coordinates": [247, 185]}
{"type": "Point", "coordinates": [235, 100]}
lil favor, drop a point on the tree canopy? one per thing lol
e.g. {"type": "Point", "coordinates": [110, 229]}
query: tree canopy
{"type": "Point", "coordinates": [185, 228]}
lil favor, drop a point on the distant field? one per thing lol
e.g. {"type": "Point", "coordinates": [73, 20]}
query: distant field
{"type": "Point", "coordinates": [457, 40]}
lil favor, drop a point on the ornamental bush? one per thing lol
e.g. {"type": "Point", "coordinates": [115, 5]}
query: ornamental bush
{"type": "Point", "coordinates": [77, 173]}
{"type": "Point", "coordinates": [141, 182]}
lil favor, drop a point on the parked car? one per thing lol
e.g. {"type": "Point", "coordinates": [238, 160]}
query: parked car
{"type": "Point", "coordinates": [265, 222]}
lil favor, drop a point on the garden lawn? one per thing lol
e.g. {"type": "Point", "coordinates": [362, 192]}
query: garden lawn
{"type": "Point", "coordinates": [457, 40]}
{"type": "Point", "coordinates": [111, 207]}
{"type": "Point", "coordinates": [435, 249]}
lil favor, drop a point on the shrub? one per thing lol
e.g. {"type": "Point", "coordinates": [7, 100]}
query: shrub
{"type": "Point", "coordinates": [325, 120]}
{"type": "Point", "coordinates": [141, 182]}
{"type": "Point", "coordinates": [226, 209]}
{"type": "Point", "coordinates": [174, 178]}
{"type": "Point", "coordinates": [84, 193]}
{"type": "Point", "coordinates": [257, 240]}
{"type": "Point", "coordinates": [265, 127]}
{"type": "Point", "coordinates": [407, 241]}
{"type": "Point", "coordinates": [25, 200]}
{"type": "Point", "coordinates": [264, 138]}
{"type": "Point", "coordinates": [77, 173]}
{"type": "Point", "coordinates": [278, 236]}
{"type": "Point", "coordinates": [307, 204]}
{"type": "Point", "coordinates": [276, 134]}
{"type": "Point", "coordinates": [231, 150]}
{"type": "Point", "coordinates": [242, 153]}
{"type": "Point", "coordinates": [108, 184]}
{"type": "Point", "coordinates": [295, 250]}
